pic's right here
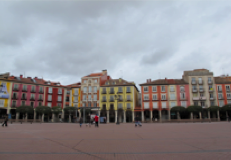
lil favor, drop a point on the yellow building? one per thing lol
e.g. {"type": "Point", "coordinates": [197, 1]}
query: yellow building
{"type": "Point", "coordinates": [5, 96]}
{"type": "Point", "coordinates": [75, 96]}
{"type": "Point", "coordinates": [118, 98]}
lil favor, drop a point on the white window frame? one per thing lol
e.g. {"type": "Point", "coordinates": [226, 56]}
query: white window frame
{"type": "Point", "coordinates": [154, 89]}
{"type": "Point", "coordinates": [89, 98]}
{"type": "Point", "coordinates": [84, 89]}
{"type": "Point", "coordinates": [146, 105]}
{"type": "Point", "coordinates": [163, 90]}
{"type": "Point", "coordinates": [49, 104]}
{"type": "Point", "coordinates": [163, 105]}
{"type": "Point", "coordinates": [183, 103]}
{"type": "Point", "coordinates": [59, 98]}
{"type": "Point", "coordinates": [95, 97]}
{"type": "Point", "coordinates": [155, 105]}
{"type": "Point", "coordinates": [95, 89]}
{"type": "Point", "coordinates": [172, 89]}
{"type": "Point", "coordinates": [84, 97]}
{"type": "Point", "coordinates": [2, 101]}
{"type": "Point", "coordinates": [145, 88]}
{"type": "Point", "coordinates": [172, 96]}
{"type": "Point", "coordinates": [75, 99]}
{"type": "Point", "coordinates": [154, 97]}
{"type": "Point", "coordinates": [163, 96]}
{"type": "Point", "coordinates": [49, 97]}
{"type": "Point", "coordinates": [129, 106]}
{"type": "Point", "coordinates": [50, 90]}
{"type": "Point", "coordinates": [146, 96]}
{"type": "Point", "coordinates": [172, 104]}
{"type": "Point", "coordinates": [89, 89]}
{"type": "Point", "coordinates": [60, 91]}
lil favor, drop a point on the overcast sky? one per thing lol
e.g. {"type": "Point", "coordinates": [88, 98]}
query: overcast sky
{"type": "Point", "coordinates": [64, 41]}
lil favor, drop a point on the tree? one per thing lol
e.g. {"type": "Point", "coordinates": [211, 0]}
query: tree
{"type": "Point", "coordinates": [213, 108]}
{"type": "Point", "coordinates": [70, 110]}
{"type": "Point", "coordinates": [55, 110]}
{"type": "Point", "coordinates": [178, 110]}
{"type": "Point", "coordinates": [41, 110]}
{"type": "Point", "coordinates": [25, 110]}
{"type": "Point", "coordinates": [226, 108]}
{"type": "Point", "coordinates": [194, 109]}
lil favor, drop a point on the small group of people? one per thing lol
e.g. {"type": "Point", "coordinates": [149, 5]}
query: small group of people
{"type": "Point", "coordinates": [5, 121]}
{"type": "Point", "coordinates": [90, 121]}
{"type": "Point", "coordinates": [137, 121]}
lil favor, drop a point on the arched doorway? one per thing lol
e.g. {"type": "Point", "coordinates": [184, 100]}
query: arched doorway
{"type": "Point", "coordinates": [146, 115]}
{"type": "Point", "coordinates": [111, 114]}
{"type": "Point", "coordinates": [128, 116]}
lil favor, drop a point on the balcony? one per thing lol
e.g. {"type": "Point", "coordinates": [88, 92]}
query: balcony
{"type": "Point", "coordinates": [49, 100]}
{"type": "Point", "coordinates": [40, 99]}
{"type": "Point", "coordinates": [111, 100]}
{"type": "Point", "coordinates": [194, 82]}
{"type": "Point", "coordinates": [194, 90]}
{"type": "Point", "coordinates": [104, 100]}
{"type": "Point", "coordinates": [163, 99]}
{"type": "Point", "coordinates": [228, 97]}
{"type": "Point", "coordinates": [183, 98]}
{"type": "Point", "coordinates": [128, 91]}
{"type": "Point", "coordinates": [60, 93]}
{"type": "Point", "coordinates": [23, 98]}
{"type": "Point", "coordinates": [155, 99]}
{"type": "Point", "coordinates": [172, 99]}
{"type": "Point", "coordinates": [219, 90]}
{"type": "Point", "coordinates": [200, 82]}
{"type": "Point", "coordinates": [32, 98]}
{"type": "Point", "coordinates": [201, 90]}
{"type": "Point", "coordinates": [15, 89]}
{"type": "Point", "coordinates": [128, 99]}
{"type": "Point", "coordinates": [59, 100]}
{"type": "Point", "coordinates": [210, 90]}
{"type": "Point", "coordinates": [210, 82]}
{"type": "Point", "coordinates": [120, 100]}
{"type": "Point", "coordinates": [221, 97]}
{"type": "Point", "coordinates": [146, 100]}
{"type": "Point", "coordinates": [211, 98]}
{"type": "Point", "coordinates": [15, 97]}
{"type": "Point", "coordinates": [104, 92]}
{"type": "Point", "coordinates": [129, 107]}
{"type": "Point", "coordinates": [41, 91]}
{"type": "Point", "coordinates": [111, 92]}
{"type": "Point", "coordinates": [32, 91]}
{"type": "Point", "coordinates": [182, 90]}
{"type": "Point", "coordinates": [199, 98]}
{"type": "Point", "coordinates": [119, 92]}
{"type": "Point", "coordinates": [24, 90]}
{"type": "Point", "coordinates": [227, 90]}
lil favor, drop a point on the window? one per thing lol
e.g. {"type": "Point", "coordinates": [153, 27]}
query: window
{"type": "Point", "coordinates": [229, 102]}
{"type": "Point", "coordinates": [163, 104]}
{"type": "Point", "coordinates": [95, 97]}
{"type": "Point", "coordinates": [210, 87]}
{"type": "Point", "coordinates": [40, 104]}
{"type": "Point", "coordinates": [209, 79]}
{"type": "Point", "coordinates": [120, 106]}
{"type": "Point", "coordinates": [40, 97]}
{"type": "Point", "coordinates": [89, 104]}
{"type": "Point", "coordinates": [24, 87]}
{"type": "Point", "coordinates": [202, 104]}
{"type": "Point", "coordinates": [195, 103]}
{"type": "Point", "coordinates": [49, 104]}
{"type": "Point", "coordinates": [23, 96]}
{"type": "Point", "coordinates": [32, 96]}
{"type": "Point", "coordinates": [172, 96]}
{"type": "Point", "coordinates": [50, 90]}
{"type": "Point", "coordinates": [75, 99]}
{"type": "Point", "coordinates": [59, 98]}
{"type": "Point", "coordinates": [14, 103]}
{"type": "Point", "coordinates": [201, 95]}
{"type": "Point", "coordinates": [84, 97]}
{"type": "Point", "coordinates": [173, 104]}
{"type": "Point", "coordinates": [111, 98]}
{"type": "Point", "coordinates": [89, 97]}
{"type": "Point", "coordinates": [210, 95]}
{"type": "Point", "coordinates": [95, 104]}
{"type": "Point", "coordinates": [104, 98]}
{"type": "Point", "coordinates": [182, 95]}
{"type": "Point", "coordinates": [195, 95]}
{"type": "Point", "coordinates": [60, 91]}
{"type": "Point", "coordinates": [163, 97]}
{"type": "Point", "coordinates": [146, 105]}
{"type": "Point", "coordinates": [89, 81]}
{"type": "Point", "coordinates": [113, 83]}
{"type": "Point", "coordinates": [184, 104]}
{"type": "Point", "coordinates": [59, 104]}
{"type": "Point", "coordinates": [111, 90]}
{"type": "Point", "coordinates": [154, 96]}
{"type": "Point", "coordinates": [23, 103]}
{"type": "Point", "coordinates": [85, 81]}
{"type": "Point", "coordinates": [32, 88]}
{"type": "Point", "coordinates": [219, 88]}
{"type": "Point", "coordinates": [212, 103]}
{"type": "Point", "coordinates": [172, 89]}
{"type": "Point", "coordinates": [155, 105]}
{"type": "Point", "coordinates": [84, 89]}
{"type": "Point", "coordinates": [200, 80]}
{"type": "Point", "coordinates": [32, 104]}
{"type": "Point", "coordinates": [146, 97]}
{"type": "Point", "coordinates": [128, 89]}
{"type": "Point", "coordinates": [120, 89]}
{"type": "Point", "coordinates": [220, 95]}
{"type": "Point", "coordinates": [145, 89]}
{"type": "Point", "coordinates": [200, 87]}
{"type": "Point", "coordinates": [84, 104]}
{"type": "Point", "coordinates": [2, 103]}
{"type": "Point", "coordinates": [193, 79]}
{"type": "Point", "coordinates": [89, 89]}
{"type": "Point", "coordinates": [14, 95]}
{"type": "Point", "coordinates": [95, 80]}
{"type": "Point", "coordinates": [221, 103]}
{"type": "Point", "coordinates": [153, 88]}
{"type": "Point", "coordinates": [227, 88]}
{"type": "Point", "coordinates": [15, 86]}
{"type": "Point", "coordinates": [162, 88]}
{"type": "Point", "coordinates": [182, 88]}
{"type": "Point", "coordinates": [40, 89]}
{"type": "Point", "coordinates": [95, 89]}
{"type": "Point", "coordinates": [128, 106]}
{"type": "Point", "coordinates": [128, 97]}
{"type": "Point", "coordinates": [228, 96]}
{"type": "Point", "coordinates": [76, 91]}
{"type": "Point", "coordinates": [49, 97]}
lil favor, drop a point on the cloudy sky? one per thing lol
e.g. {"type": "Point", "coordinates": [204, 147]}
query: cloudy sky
{"type": "Point", "coordinates": [64, 41]}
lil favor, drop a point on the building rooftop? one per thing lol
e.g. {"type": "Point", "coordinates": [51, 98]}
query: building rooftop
{"type": "Point", "coordinates": [164, 82]}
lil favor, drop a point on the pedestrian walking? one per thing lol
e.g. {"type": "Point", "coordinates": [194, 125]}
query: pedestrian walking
{"type": "Point", "coordinates": [96, 120]}
{"type": "Point", "coordinates": [5, 121]}
{"type": "Point", "coordinates": [137, 121]}
{"type": "Point", "coordinates": [88, 120]}
{"type": "Point", "coordinates": [80, 121]}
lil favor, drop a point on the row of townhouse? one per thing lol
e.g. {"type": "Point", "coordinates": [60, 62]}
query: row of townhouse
{"type": "Point", "coordinates": [117, 99]}
{"type": "Point", "coordinates": [198, 87]}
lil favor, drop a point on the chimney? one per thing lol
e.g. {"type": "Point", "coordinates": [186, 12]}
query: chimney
{"type": "Point", "coordinates": [29, 77]}
{"type": "Point", "coordinates": [104, 72]}
{"type": "Point", "coordinates": [21, 76]}
{"type": "Point", "coordinates": [148, 80]}
{"type": "Point", "coordinates": [35, 78]}
{"type": "Point", "coordinates": [165, 78]}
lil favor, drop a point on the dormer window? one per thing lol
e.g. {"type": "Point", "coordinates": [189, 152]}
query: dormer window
{"type": "Point", "coordinates": [34, 80]}
{"type": "Point", "coordinates": [107, 83]}
{"type": "Point", "coordinates": [113, 83]}
{"type": "Point", "coordinates": [58, 84]}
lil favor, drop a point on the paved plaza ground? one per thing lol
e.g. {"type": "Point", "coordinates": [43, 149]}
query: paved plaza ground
{"type": "Point", "coordinates": [110, 141]}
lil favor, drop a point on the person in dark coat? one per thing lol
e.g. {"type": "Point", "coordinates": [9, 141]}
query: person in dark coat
{"type": "Point", "coordinates": [88, 120]}
{"type": "Point", "coordinates": [5, 121]}
{"type": "Point", "coordinates": [80, 121]}
{"type": "Point", "coordinates": [137, 121]}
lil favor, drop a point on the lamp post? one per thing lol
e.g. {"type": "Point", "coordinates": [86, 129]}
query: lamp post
{"type": "Point", "coordinates": [117, 97]}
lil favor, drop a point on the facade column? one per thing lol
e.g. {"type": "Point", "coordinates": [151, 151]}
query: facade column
{"type": "Point", "coordinates": [34, 116]}
{"type": "Point", "coordinates": [26, 117]}
{"type": "Point", "coordinates": [8, 111]}
{"type": "Point", "coordinates": [79, 114]}
{"type": "Point", "coordinates": [151, 116]}
{"type": "Point", "coordinates": [69, 118]}
{"type": "Point", "coordinates": [124, 116]}
{"type": "Point", "coordinates": [169, 115]}
{"type": "Point", "coordinates": [133, 116]}
{"type": "Point", "coordinates": [209, 115]}
{"type": "Point", "coordinates": [178, 115]}
{"type": "Point", "coordinates": [160, 116]}
{"type": "Point", "coordinates": [107, 116]}
{"type": "Point", "coordinates": [53, 117]}
{"type": "Point", "coordinates": [226, 116]}
{"type": "Point", "coordinates": [142, 116]}
{"type": "Point", "coordinates": [218, 115]}
{"type": "Point", "coordinates": [17, 116]}
{"type": "Point", "coordinates": [200, 114]}
{"type": "Point", "coordinates": [43, 117]}
{"type": "Point", "coordinates": [116, 116]}
{"type": "Point", "coordinates": [99, 117]}
{"type": "Point", "coordinates": [191, 115]}
{"type": "Point", "coordinates": [62, 116]}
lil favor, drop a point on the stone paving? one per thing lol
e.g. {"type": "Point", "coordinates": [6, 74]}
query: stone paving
{"type": "Point", "coordinates": [111, 141]}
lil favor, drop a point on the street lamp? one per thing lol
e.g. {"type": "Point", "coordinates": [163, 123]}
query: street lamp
{"type": "Point", "coordinates": [117, 97]}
